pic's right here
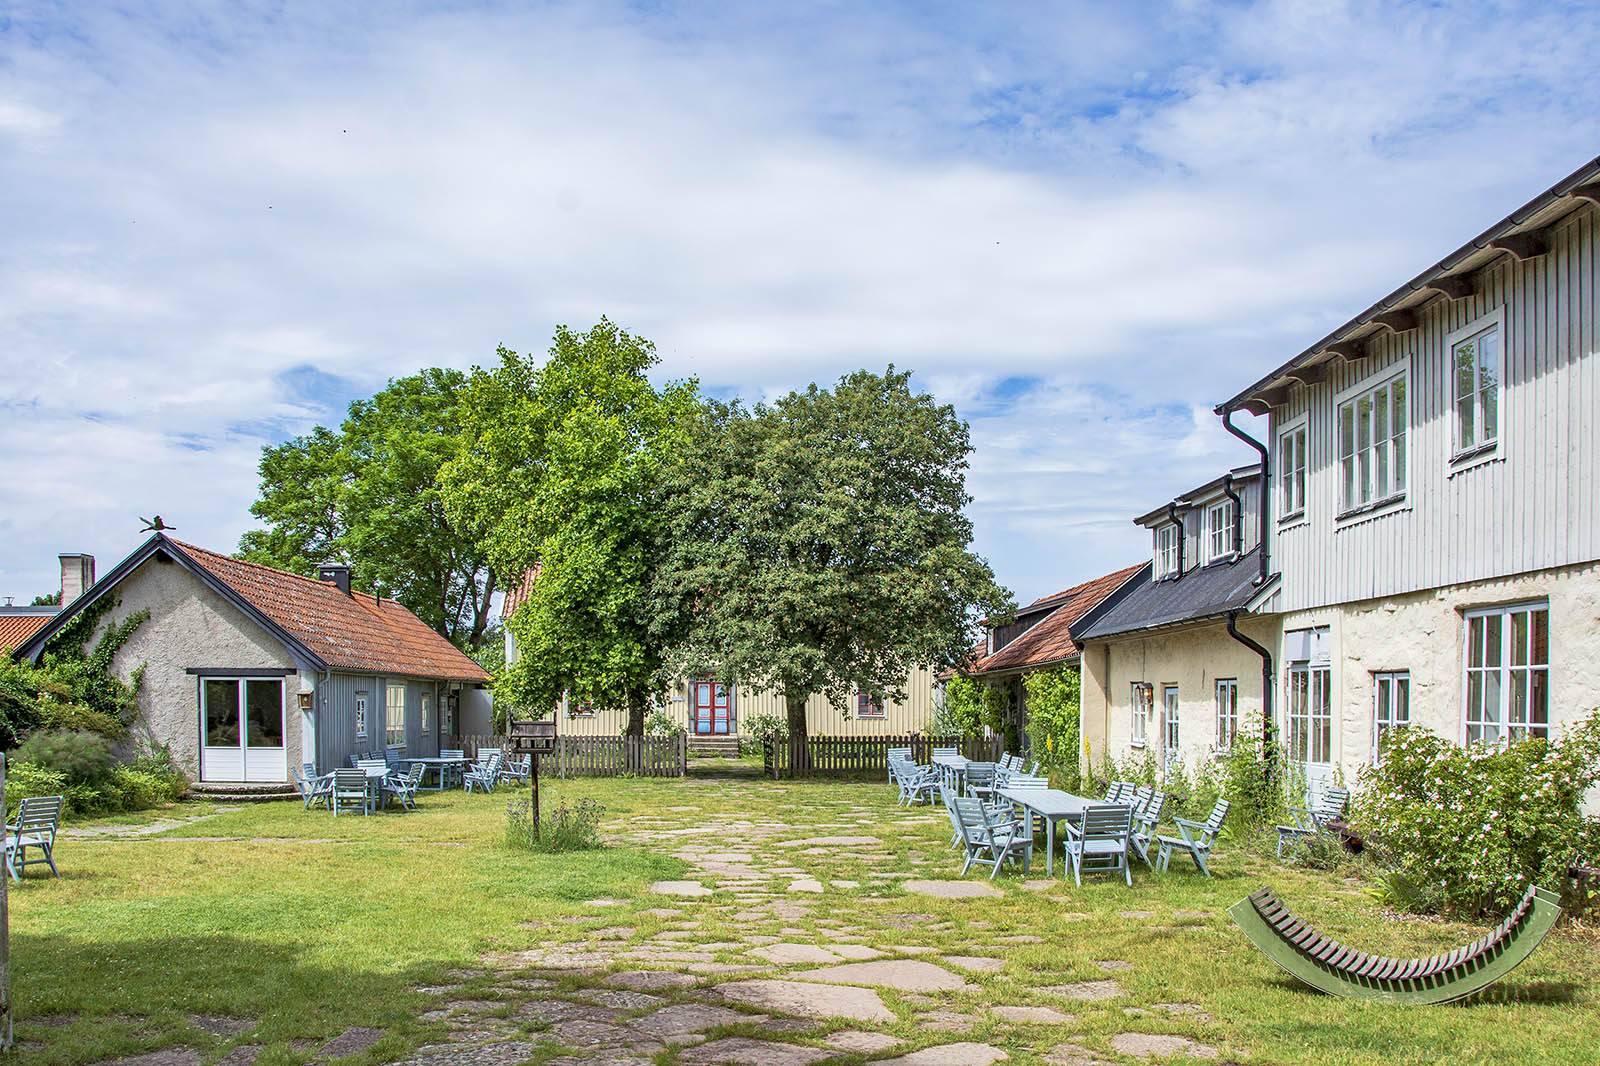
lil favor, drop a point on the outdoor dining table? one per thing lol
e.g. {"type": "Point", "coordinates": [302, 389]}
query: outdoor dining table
{"type": "Point", "coordinates": [1050, 804]}
{"type": "Point", "coordinates": [438, 764]}
{"type": "Point", "coordinates": [376, 776]}
{"type": "Point", "coordinates": [952, 767]}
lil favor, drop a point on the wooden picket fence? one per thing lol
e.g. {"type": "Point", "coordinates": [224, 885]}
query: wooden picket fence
{"type": "Point", "coordinates": [652, 756]}
{"type": "Point", "coordinates": [846, 756]}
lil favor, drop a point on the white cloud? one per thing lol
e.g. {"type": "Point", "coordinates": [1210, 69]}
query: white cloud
{"type": "Point", "coordinates": [1130, 213]}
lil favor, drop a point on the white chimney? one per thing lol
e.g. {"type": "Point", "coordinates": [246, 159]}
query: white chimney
{"type": "Point", "coordinates": [77, 574]}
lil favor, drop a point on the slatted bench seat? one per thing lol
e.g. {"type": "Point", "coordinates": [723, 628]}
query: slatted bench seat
{"type": "Point", "coordinates": [1326, 964]}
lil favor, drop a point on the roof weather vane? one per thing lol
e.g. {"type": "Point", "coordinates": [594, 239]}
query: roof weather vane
{"type": "Point", "coordinates": [155, 525]}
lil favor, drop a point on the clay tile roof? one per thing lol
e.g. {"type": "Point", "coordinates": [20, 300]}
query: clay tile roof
{"type": "Point", "coordinates": [518, 594]}
{"type": "Point", "coordinates": [354, 632]}
{"type": "Point", "coordinates": [16, 628]}
{"type": "Point", "coordinates": [1050, 640]}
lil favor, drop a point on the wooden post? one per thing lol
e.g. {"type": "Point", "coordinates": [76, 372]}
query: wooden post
{"type": "Point", "coordinates": [5, 935]}
{"type": "Point", "coordinates": [533, 776]}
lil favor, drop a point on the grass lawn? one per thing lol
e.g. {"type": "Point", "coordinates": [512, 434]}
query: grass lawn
{"type": "Point", "coordinates": [291, 928]}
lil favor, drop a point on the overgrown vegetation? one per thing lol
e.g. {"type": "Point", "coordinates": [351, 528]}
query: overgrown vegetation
{"type": "Point", "coordinates": [1053, 700]}
{"type": "Point", "coordinates": [563, 826]}
{"type": "Point", "coordinates": [1466, 829]}
{"type": "Point", "coordinates": [78, 767]}
{"type": "Point", "coordinates": [969, 707]}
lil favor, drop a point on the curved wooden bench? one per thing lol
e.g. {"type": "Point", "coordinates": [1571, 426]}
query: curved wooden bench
{"type": "Point", "coordinates": [1324, 963]}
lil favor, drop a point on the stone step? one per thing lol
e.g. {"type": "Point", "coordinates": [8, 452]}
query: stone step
{"type": "Point", "coordinates": [714, 747]}
{"type": "Point", "coordinates": [245, 791]}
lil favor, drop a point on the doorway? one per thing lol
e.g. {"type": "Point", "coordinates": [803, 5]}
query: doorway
{"type": "Point", "coordinates": [710, 710]}
{"type": "Point", "coordinates": [241, 722]}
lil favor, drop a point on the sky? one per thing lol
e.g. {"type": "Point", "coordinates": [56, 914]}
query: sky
{"type": "Point", "coordinates": [1084, 225]}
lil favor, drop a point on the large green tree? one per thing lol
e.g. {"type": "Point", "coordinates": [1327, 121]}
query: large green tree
{"type": "Point", "coordinates": [820, 543]}
{"type": "Point", "coordinates": [563, 469]}
{"type": "Point", "coordinates": [368, 493]}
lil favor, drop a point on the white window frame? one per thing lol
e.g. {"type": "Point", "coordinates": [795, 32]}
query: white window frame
{"type": "Point", "coordinates": [1227, 689]}
{"type": "Point", "coordinates": [1171, 721]}
{"type": "Point", "coordinates": [1508, 676]}
{"type": "Point", "coordinates": [1167, 538]}
{"type": "Point", "coordinates": [876, 707]}
{"type": "Point", "coordinates": [1292, 469]}
{"type": "Point", "coordinates": [361, 714]}
{"type": "Point", "coordinates": [427, 708]}
{"type": "Point", "coordinates": [1309, 713]}
{"type": "Point", "coordinates": [1484, 444]}
{"type": "Point", "coordinates": [1391, 704]}
{"type": "Point", "coordinates": [1385, 451]}
{"type": "Point", "coordinates": [1144, 695]}
{"type": "Point", "coordinates": [1216, 541]}
{"type": "Point", "coordinates": [389, 726]}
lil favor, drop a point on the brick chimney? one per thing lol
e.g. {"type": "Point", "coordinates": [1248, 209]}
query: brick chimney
{"type": "Point", "coordinates": [77, 574]}
{"type": "Point", "coordinates": [338, 573]}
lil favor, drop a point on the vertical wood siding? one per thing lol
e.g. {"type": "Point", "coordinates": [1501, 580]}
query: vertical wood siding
{"type": "Point", "coordinates": [1531, 507]}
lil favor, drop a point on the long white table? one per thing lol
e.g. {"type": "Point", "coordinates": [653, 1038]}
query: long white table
{"type": "Point", "coordinates": [952, 767]}
{"type": "Point", "coordinates": [1052, 805]}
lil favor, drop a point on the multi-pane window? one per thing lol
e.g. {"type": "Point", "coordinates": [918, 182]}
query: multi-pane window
{"type": "Point", "coordinates": [1143, 700]}
{"type": "Point", "coordinates": [1218, 537]}
{"type": "Point", "coordinates": [1507, 686]}
{"type": "Point", "coordinates": [1169, 722]}
{"type": "Point", "coordinates": [1475, 362]}
{"type": "Point", "coordinates": [1391, 705]}
{"type": "Point", "coordinates": [1167, 551]}
{"type": "Point", "coordinates": [1227, 712]}
{"type": "Point", "coordinates": [1310, 714]}
{"type": "Point", "coordinates": [394, 715]}
{"type": "Point", "coordinates": [361, 714]}
{"type": "Point", "coordinates": [1372, 446]}
{"type": "Point", "coordinates": [1292, 471]}
{"type": "Point", "coordinates": [870, 705]}
{"type": "Point", "coordinates": [427, 710]}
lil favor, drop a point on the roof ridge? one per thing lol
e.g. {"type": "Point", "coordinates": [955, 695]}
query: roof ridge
{"type": "Point", "coordinates": [186, 546]}
{"type": "Point", "coordinates": [1082, 585]}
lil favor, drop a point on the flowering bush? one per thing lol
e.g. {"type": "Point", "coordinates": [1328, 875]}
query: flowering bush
{"type": "Point", "coordinates": [1468, 828]}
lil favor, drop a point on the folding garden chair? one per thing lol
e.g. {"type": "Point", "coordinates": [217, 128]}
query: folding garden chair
{"type": "Point", "coordinates": [897, 753]}
{"type": "Point", "coordinates": [1195, 838]}
{"type": "Point", "coordinates": [35, 827]}
{"type": "Point", "coordinates": [482, 775]}
{"type": "Point", "coordinates": [1144, 826]}
{"type": "Point", "coordinates": [1311, 821]}
{"type": "Point", "coordinates": [1100, 841]}
{"type": "Point", "coordinates": [403, 787]}
{"type": "Point", "coordinates": [312, 788]}
{"type": "Point", "coordinates": [350, 790]}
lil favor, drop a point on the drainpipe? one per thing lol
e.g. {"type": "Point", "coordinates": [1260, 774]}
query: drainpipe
{"type": "Point", "coordinates": [1238, 513]}
{"type": "Point", "coordinates": [1262, 511]}
{"type": "Point", "coordinates": [1269, 745]}
{"type": "Point", "coordinates": [1172, 514]}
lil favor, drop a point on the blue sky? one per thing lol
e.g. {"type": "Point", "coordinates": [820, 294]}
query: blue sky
{"type": "Point", "coordinates": [1082, 225]}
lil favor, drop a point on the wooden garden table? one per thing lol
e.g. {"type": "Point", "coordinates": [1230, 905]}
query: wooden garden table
{"type": "Point", "coordinates": [1052, 805]}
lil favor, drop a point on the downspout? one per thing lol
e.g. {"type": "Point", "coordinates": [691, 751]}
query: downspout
{"type": "Point", "coordinates": [1263, 509]}
{"type": "Point", "coordinates": [1172, 516]}
{"type": "Point", "coordinates": [1269, 744]}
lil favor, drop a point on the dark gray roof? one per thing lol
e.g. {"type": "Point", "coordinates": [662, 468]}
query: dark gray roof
{"type": "Point", "coordinates": [1204, 592]}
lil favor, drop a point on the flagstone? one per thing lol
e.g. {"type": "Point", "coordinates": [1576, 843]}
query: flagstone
{"type": "Point", "coordinates": [976, 963]}
{"type": "Point", "coordinates": [902, 975]}
{"type": "Point", "coordinates": [808, 1000]}
{"type": "Point", "coordinates": [859, 952]}
{"type": "Point", "coordinates": [1152, 1045]}
{"type": "Point", "coordinates": [649, 980]}
{"type": "Point", "coordinates": [789, 953]}
{"type": "Point", "coordinates": [1113, 965]}
{"type": "Point", "coordinates": [953, 889]}
{"type": "Point", "coordinates": [744, 1051]}
{"type": "Point", "coordinates": [833, 842]}
{"type": "Point", "coordinates": [680, 888]}
{"type": "Point", "coordinates": [1033, 1015]}
{"type": "Point", "coordinates": [505, 1053]}
{"type": "Point", "coordinates": [805, 884]}
{"type": "Point", "coordinates": [1090, 990]}
{"type": "Point", "coordinates": [860, 1040]}
{"type": "Point", "coordinates": [352, 1040]}
{"type": "Point", "coordinates": [965, 1053]}
{"type": "Point", "coordinates": [948, 1021]}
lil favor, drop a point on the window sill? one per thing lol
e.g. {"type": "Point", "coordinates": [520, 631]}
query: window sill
{"type": "Point", "coordinates": [1475, 457]}
{"type": "Point", "coordinates": [1136, 744]}
{"type": "Point", "coordinates": [1230, 557]}
{"type": "Point", "coordinates": [1290, 521]}
{"type": "Point", "coordinates": [1368, 512]}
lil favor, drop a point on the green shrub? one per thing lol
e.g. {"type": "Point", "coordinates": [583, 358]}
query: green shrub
{"type": "Point", "coordinates": [1467, 829]}
{"type": "Point", "coordinates": [25, 780]}
{"type": "Point", "coordinates": [562, 827]}
{"type": "Point", "coordinates": [658, 723]}
{"type": "Point", "coordinates": [766, 726]}
{"type": "Point", "coordinates": [83, 758]}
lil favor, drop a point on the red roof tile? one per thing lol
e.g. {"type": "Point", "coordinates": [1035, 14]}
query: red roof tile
{"type": "Point", "coordinates": [1050, 640]}
{"type": "Point", "coordinates": [348, 632]}
{"type": "Point", "coordinates": [16, 628]}
{"type": "Point", "coordinates": [518, 594]}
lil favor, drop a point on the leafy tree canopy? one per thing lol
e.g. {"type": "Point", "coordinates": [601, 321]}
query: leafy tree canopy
{"type": "Point", "coordinates": [820, 543]}
{"type": "Point", "coordinates": [563, 470]}
{"type": "Point", "coordinates": [368, 493]}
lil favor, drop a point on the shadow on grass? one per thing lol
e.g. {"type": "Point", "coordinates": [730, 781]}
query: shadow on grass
{"type": "Point", "coordinates": [1506, 992]}
{"type": "Point", "coordinates": [81, 1000]}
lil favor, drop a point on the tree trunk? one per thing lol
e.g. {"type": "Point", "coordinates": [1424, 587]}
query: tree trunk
{"type": "Point", "coordinates": [635, 730]}
{"type": "Point", "coordinates": [799, 751]}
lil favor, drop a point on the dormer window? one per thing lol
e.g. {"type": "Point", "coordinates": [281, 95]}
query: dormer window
{"type": "Point", "coordinates": [1167, 551]}
{"type": "Point", "coordinates": [1217, 543]}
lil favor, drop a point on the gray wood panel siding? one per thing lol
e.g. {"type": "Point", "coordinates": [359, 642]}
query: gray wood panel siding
{"type": "Point", "coordinates": [1532, 506]}
{"type": "Point", "coordinates": [336, 720]}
